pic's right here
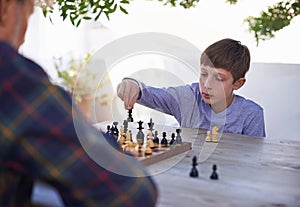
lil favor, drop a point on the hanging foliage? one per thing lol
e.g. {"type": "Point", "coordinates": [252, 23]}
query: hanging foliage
{"type": "Point", "coordinates": [263, 27]}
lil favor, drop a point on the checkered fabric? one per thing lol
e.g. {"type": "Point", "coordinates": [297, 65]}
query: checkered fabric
{"type": "Point", "coordinates": [39, 140]}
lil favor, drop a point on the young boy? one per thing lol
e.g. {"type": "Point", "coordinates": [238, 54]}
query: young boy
{"type": "Point", "coordinates": [211, 102]}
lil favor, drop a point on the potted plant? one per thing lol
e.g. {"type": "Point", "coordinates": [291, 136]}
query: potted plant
{"type": "Point", "coordinates": [76, 78]}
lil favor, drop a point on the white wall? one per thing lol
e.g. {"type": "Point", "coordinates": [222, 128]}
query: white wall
{"type": "Point", "coordinates": [276, 88]}
{"type": "Point", "coordinates": [273, 85]}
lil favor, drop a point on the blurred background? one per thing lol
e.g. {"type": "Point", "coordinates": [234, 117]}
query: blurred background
{"type": "Point", "coordinates": [273, 80]}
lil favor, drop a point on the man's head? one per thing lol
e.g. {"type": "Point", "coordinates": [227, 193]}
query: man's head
{"type": "Point", "coordinates": [223, 68]}
{"type": "Point", "coordinates": [14, 15]}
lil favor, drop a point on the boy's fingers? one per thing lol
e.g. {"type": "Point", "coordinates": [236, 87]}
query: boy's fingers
{"type": "Point", "coordinates": [128, 92]}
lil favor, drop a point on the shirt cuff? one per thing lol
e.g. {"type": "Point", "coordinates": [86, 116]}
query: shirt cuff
{"type": "Point", "coordinates": [140, 84]}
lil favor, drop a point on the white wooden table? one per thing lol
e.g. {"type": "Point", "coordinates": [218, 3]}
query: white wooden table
{"type": "Point", "coordinates": [252, 172]}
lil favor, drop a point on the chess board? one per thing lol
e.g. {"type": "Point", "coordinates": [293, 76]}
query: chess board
{"type": "Point", "coordinates": [163, 153]}
{"type": "Point", "coordinates": [159, 152]}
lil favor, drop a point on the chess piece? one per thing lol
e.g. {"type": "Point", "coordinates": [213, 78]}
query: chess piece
{"type": "Point", "coordinates": [215, 134]}
{"type": "Point", "coordinates": [130, 119]}
{"type": "Point", "coordinates": [151, 124]}
{"type": "Point", "coordinates": [140, 135]}
{"type": "Point", "coordinates": [148, 150]}
{"type": "Point", "coordinates": [134, 151]}
{"type": "Point", "coordinates": [150, 135]}
{"type": "Point", "coordinates": [125, 125]}
{"type": "Point", "coordinates": [122, 133]}
{"type": "Point", "coordinates": [194, 171]}
{"type": "Point", "coordinates": [115, 130]}
{"type": "Point", "coordinates": [164, 141]}
{"type": "Point", "coordinates": [108, 130]}
{"type": "Point", "coordinates": [128, 142]}
{"type": "Point", "coordinates": [156, 139]}
{"type": "Point", "coordinates": [178, 137]}
{"type": "Point", "coordinates": [214, 175]}
{"type": "Point", "coordinates": [150, 143]}
{"type": "Point", "coordinates": [173, 141]}
{"type": "Point", "coordinates": [140, 149]}
{"type": "Point", "coordinates": [208, 137]}
{"type": "Point", "coordinates": [128, 136]}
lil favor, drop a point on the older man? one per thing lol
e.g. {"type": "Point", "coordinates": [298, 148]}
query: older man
{"type": "Point", "coordinates": [39, 137]}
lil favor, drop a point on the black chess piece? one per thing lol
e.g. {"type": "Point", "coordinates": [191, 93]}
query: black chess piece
{"type": "Point", "coordinates": [164, 141]}
{"type": "Point", "coordinates": [140, 135]}
{"type": "Point", "coordinates": [108, 131]}
{"type": "Point", "coordinates": [150, 124]}
{"type": "Point", "coordinates": [194, 171]}
{"type": "Point", "coordinates": [130, 132]}
{"type": "Point", "coordinates": [173, 141]}
{"type": "Point", "coordinates": [178, 137]}
{"type": "Point", "coordinates": [130, 119]}
{"type": "Point", "coordinates": [214, 175]}
{"type": "Point", "coordinates": [125, 124]}
{"type": "Point", "coordinates": [115, 130]}
{"type": "Point", "coordinates": [155, 138]}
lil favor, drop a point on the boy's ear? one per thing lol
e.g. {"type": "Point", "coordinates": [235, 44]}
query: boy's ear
{"type": "Point", "coordinates": [239, 83]}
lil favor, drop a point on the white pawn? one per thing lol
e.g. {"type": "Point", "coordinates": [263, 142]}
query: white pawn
{"type": "Point", "coordinates": [208, 137]}
{"type": "Point", "coordinates": [215, 134]}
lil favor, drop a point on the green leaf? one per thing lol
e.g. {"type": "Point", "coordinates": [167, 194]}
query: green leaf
{"type": "Point", "coordinates": [87, 17]}
{"type": "Point", "coordinates": [78, 23]}
{"type": "Point", "coordinates": [124, 2]}
{"type": "Point", "coordinates": [123, 10]}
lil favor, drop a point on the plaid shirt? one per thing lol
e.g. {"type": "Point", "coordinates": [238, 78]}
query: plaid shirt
{"type": "Point", "coordinates": [39, 141]}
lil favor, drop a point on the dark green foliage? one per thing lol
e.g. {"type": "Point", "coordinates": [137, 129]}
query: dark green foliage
{"type": "Point", "coordinates": [263, 27]}
{"type": "Point", "coordinates": [274, 19]}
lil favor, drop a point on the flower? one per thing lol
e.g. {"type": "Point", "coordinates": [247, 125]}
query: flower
{"type": "Point", "coordinates": [74, 76]}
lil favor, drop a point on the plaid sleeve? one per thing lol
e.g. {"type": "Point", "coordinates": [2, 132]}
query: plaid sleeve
{"type": "Point", "coordinates": [41, 139]}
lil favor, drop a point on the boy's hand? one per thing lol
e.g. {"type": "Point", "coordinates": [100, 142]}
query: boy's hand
{"type": "Point", "coordinates": [128, 91]}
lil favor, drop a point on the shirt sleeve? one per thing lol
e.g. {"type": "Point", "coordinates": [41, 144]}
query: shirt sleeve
{"type": "Point", "coordinates": [165, 100]}
{"type": "Point", "coordinates": [45, 138]}
{"type": "Point", "coordinates": [255, 125]}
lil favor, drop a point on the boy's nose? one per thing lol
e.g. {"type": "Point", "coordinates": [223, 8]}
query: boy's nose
{"type": "Point", "coordinates": [208, 83]}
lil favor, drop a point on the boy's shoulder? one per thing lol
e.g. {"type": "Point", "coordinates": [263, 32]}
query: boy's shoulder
{"type": "Point", "coordinates": [195, 87]}
{"type": "Point", "coordinates": [248, 104]}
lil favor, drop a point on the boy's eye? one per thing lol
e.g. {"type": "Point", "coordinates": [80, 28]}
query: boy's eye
{"type": "Point", "coordinates": [204, 74]}
{"type": "Point", "coordinates": [219, 78]}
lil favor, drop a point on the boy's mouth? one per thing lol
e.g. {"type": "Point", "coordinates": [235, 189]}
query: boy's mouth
{"type": "Point", "coordinates": [206, 95]}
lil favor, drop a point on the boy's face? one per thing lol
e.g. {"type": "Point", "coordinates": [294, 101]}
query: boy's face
{"type": "Point", "coordinates": [216, 87]}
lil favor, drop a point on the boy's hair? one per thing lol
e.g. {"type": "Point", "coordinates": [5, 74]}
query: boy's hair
{"type": "Point", "coordinates": [228, 54]}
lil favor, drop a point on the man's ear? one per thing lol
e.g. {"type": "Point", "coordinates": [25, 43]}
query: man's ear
{"type": "Point", "coordinates": [239, 83]}
{"type": "Point", "coordinates": [3, 10]}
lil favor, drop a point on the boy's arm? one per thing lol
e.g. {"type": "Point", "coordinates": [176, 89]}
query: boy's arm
{"type": "Point", "coordinates": [166, 100]}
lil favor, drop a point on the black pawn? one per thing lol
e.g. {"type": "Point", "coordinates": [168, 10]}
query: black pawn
{"type": "Point", "coordinates": [164, 141]}
{"type": "Point", "coordinates": [108, 131]}
{"type": "Point", "coordinates": [178, 137]}
{"type": "Point", "coordinates": [194, 171]}
{"type": "Point", "coordinates": [214, 175]}
{"type": "Point", "coordinates": [173, 141]}
{"type": "Point", "coordinates": [155, 138]}
{"type": "Point", "coordinates": [130, 119]}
